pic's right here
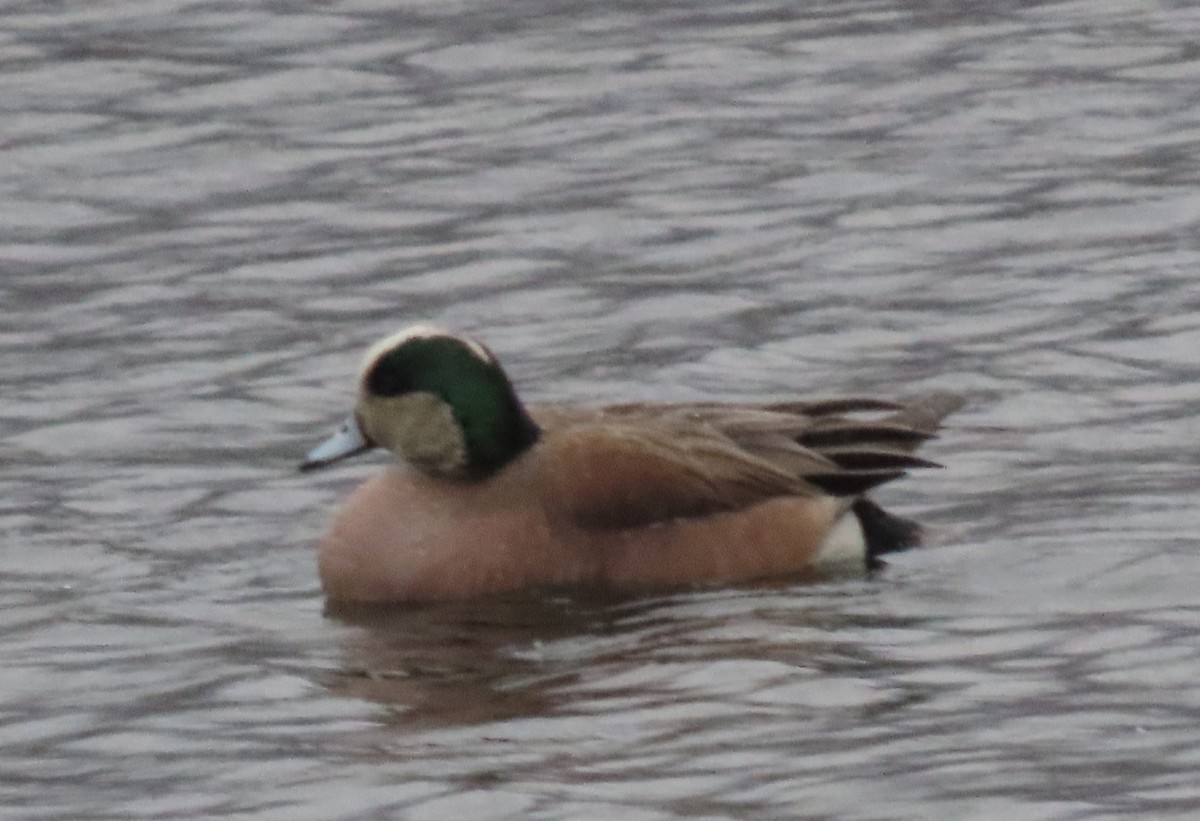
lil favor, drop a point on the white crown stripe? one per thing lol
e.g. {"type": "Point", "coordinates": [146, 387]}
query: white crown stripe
{"type": "Point", "coordinates": [421, 331]}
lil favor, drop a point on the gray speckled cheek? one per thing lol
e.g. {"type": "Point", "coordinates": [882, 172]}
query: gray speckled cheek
{"type": "Point", "coordinates": [421, 428]}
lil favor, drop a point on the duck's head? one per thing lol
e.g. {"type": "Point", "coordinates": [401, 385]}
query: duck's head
{"type": "Point", "coordinates": [439, 401]}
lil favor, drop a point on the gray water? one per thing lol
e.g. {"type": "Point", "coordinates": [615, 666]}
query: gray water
{"type": "Point", "coordinates": [208, 209]}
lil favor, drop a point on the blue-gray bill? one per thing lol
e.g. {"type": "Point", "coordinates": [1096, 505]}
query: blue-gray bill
{"type": "Point", "coordinates": [347, 441]}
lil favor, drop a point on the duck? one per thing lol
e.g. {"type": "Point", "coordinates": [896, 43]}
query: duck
{"type": "Point", "coordinates": [491, 496]}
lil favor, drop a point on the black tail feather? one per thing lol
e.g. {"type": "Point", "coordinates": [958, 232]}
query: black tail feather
{"type": "Point", "coordinates": [852, 483]}
{"type": "Point", "coordinates": [841, 433]}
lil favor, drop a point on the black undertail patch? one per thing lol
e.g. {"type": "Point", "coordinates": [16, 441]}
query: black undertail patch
{"type": "Point", "coordinates": [884, 532]}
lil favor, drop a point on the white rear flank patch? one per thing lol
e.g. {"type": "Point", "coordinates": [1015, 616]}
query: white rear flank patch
{"type": "Point", "coordinates": [843, 544]}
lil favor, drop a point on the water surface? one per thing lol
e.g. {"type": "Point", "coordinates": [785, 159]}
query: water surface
{"type": "Point", "coordinates": [209, 210]}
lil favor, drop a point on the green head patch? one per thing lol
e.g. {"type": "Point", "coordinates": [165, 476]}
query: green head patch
{"type": "Point", "coordinates": [462, 373]}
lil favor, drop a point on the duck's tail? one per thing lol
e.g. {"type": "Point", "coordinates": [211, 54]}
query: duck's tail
{"type": "Point", "coordinates": [883, 532]}
{"type": "Point", "coordinates": [925, 413]}
{"type": "Point", "coordinates": [868, 452]}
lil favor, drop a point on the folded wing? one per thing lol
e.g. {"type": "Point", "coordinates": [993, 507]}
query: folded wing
{"type": "Point", "coordinates": [636, 465]}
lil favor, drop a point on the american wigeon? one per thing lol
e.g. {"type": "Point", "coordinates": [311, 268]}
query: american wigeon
{"type": "Point", "coordinates": [495, 496]}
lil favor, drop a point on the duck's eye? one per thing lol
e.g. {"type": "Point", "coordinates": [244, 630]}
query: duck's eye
{"type": "Point", "coordinates": [389, 377]}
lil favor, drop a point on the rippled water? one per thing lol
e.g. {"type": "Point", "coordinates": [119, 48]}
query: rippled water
{"type": "Point", "coordinates": [210, 208]}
